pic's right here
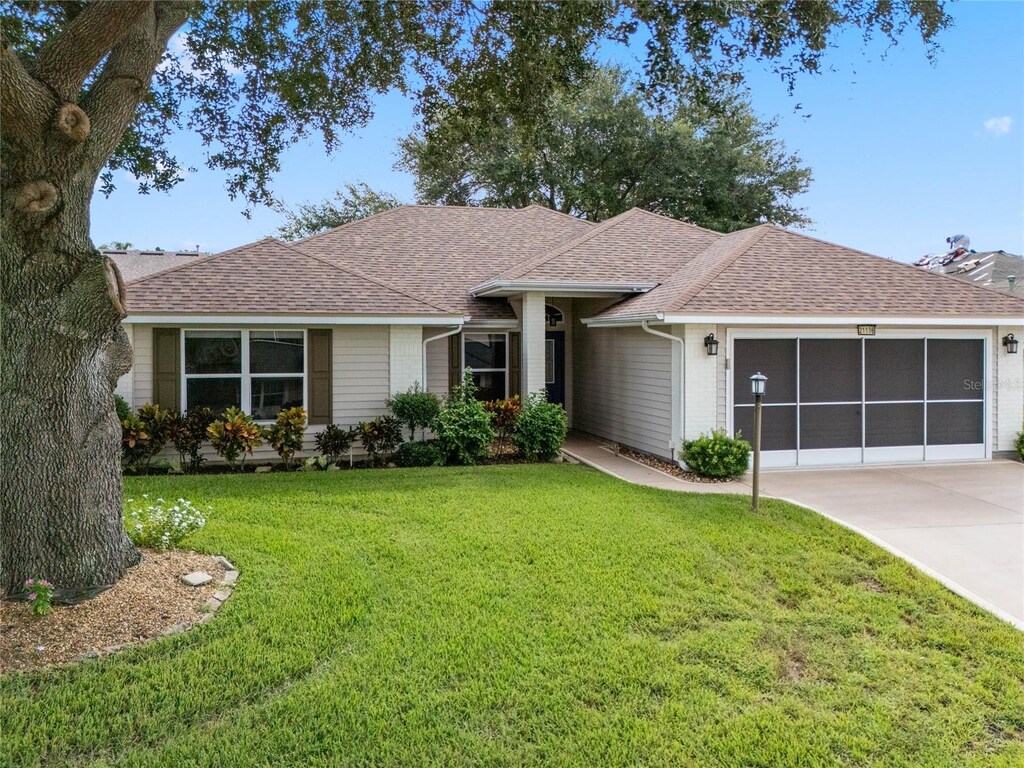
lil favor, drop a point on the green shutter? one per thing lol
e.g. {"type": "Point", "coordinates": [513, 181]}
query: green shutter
{"type": "Point", "coordinates": [167, 367]}
{"type": "Point", "coordinates": [454, 361]}
{"type": "Point", "coordinates": [515, 364]}
{"type": "Point", "coordinates": [320, 369]}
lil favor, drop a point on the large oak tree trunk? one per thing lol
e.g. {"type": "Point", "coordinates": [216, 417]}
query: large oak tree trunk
{"type": "Point", "coordinates": [63, 350]}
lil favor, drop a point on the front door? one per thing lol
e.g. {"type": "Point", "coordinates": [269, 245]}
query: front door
{"type": "Point", "coordinates": [554, 366]}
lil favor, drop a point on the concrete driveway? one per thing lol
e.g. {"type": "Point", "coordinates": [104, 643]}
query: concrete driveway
{"type": "Point", "coordinates": [961, 523]}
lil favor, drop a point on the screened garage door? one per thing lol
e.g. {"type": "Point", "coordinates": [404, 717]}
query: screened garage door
{"type": "Point", "coordinates": [845, 401]}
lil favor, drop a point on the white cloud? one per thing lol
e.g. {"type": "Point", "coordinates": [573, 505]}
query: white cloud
{"type": "Point", "coordinates": [998, 126]}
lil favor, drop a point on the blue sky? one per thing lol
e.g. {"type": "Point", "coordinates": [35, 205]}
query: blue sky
{"type": "Point", "coordinates": [904, 152]}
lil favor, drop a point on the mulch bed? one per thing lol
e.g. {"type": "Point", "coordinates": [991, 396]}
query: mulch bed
{"type": "Point", "coordinates": [668, 467]}
{"type": "Point", "coordinates": [146, 602]}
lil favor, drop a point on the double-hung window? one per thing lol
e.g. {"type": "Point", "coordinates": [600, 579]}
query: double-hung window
{"type": "Point", "coordinates": [486, 355]}
{"type": "Point", "coordinates": [261, 372]}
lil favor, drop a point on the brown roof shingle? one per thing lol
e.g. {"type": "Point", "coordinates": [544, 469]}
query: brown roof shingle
{"type": "Point", "coordinates": [771, 271]}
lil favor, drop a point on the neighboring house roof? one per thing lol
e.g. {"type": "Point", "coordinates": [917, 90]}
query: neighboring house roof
{"type": "Point", "coordinates": [136, 264]}
{"type": "Point", "coordinates": [994, 270]}
{"type": "Point", "coordinates": [269, 277]}
{"type": "Point", "coordinates": [771, 271]}
{"type": "Point", "coordinates": [426, 260]}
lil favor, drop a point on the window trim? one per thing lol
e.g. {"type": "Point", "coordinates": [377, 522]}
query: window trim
{"type": "Point", "coordinates": [462, 349]}
{"type": "Point", "coordinates": [245, 374]}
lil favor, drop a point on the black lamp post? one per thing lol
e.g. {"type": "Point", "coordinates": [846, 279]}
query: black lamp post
{"type": "Point", "coordinates": [757, 382]}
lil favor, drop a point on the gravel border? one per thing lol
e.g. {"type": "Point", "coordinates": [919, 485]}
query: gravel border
{"type": "Point", "coordinates": [669, 467]}
{"type": "Point", "coordinates": [148, 603]}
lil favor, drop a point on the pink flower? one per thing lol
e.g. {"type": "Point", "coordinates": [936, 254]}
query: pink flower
{"type": "Point", "coordinates": [32, 597]}
{"type": "Point", "coordinates": [28, 582]}
{"type": "Point", "coordinates": [45, 583]}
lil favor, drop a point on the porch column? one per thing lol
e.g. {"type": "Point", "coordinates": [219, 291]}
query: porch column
{"type": "Point", "coordinates": [532, 318]}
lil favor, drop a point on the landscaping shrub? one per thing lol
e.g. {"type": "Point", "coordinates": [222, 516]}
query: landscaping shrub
{"type": "Point", "coordinates": [1019, 445]}
{"type": "Point", "coordinates": [122, 408]}
{"type": "Point", "coordinates": [134, 443]}
{"type": "Point", "coordinates": [160, 525]}
{"type": "Point", "coordinates": [504, 415]}
{"type": "Point", "coordinates": [333, 442]}
{"type": "Point", "coordinates": [415, 408]}
{"type": "Point", "coordinates": [540, 429]}
{"type": "Point", "coordinates": [234, 434]}
{"type": "Point", "coordinates": [158, 424]}
{"type": "Point", "coordinates": [286, 435]}
{"type": "Point", "coordinates": [189, 436]}
{"type": "Point", "coordinates": [464, 430]}
{"type": "Point", "coordinates": [717, 455]}
{"type": "Point", "coordinates": [380, 438]}
{"type": "Point", "coordinates": [425, 453]}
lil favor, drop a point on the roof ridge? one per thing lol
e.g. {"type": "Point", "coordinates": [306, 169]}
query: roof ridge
{"type": "Point", "coordinates": [533, 262]}
{"type": "Point", "coordinates": [193, 262]}
{"type": "Point", "coordinates": [348, 224]}
{"type": "Point", "coordinates": [753, 236]}
{"type": "Point", "coordinates": [360, 275]}
{"type": "Point", "coordinates": [783, 230]}
{"type": "Point", "coordinates": [684, 222]}
{"type": "Point", "coordinates": [545, 209]}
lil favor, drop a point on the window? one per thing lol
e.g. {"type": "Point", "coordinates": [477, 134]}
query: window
{"type": "Point", "coordinates": [486, 355]}
{"type": "Point", "coordinates": [261, 372]}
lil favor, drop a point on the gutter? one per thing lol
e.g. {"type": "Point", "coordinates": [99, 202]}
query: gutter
{"type": "Point", "coordinates": [682, 382]}
{"type": "Point", "coordinates": [423, 363]}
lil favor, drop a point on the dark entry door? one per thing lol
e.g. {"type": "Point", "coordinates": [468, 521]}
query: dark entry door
{"type": "Point", "coordinates": [554, 366]}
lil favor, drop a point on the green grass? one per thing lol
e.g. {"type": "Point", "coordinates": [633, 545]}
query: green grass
{"type": "Point", "coordinates": [534, 616]}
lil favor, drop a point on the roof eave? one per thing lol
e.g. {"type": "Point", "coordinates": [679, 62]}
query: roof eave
{"type": "Point", "coordinates": [505, 288]}
{"type": "Point", "coordinates": [284, 318]}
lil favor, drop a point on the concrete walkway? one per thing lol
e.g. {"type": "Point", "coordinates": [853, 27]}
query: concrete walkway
{"type": "Point", "coordinates": [962, 524]}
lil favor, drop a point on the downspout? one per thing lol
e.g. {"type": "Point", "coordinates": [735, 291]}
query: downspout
{"type": "Point", "coordinates": [682, 381]}
{"type": "Point", "coordinates": [423, 364]}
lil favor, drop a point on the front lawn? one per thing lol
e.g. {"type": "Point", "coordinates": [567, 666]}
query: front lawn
{"type": "Point", "coordinates": [534, 616]}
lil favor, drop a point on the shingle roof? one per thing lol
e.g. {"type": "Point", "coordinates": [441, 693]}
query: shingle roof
{"type": "Point", "coordinates": [634, 246]}
{"type": "Point", "coordinates": [771, 271]}
{"type": "Point", "coordinates": [269, 277]}
{"type": "Point", "coordinates": [994, 270]}
{"type": "Point", "coordinates": [438, 253]}
{"type": "Point", "coordinates": [135, 264]}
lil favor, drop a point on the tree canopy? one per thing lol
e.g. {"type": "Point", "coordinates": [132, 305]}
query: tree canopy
{"type": "Point", "coordinates": [599, 151]}
{"type": "Point", "coordinates": [355, 201]}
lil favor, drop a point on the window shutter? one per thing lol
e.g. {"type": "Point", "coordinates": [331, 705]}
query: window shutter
{"type": "Point", "coordinates": [454, 361]}
{"type": "Point", "coordinates": [320, 369]}
{"type": "Point", "coordinates": [515, 364]}
{"type": "Point", "coordinates": [167, 368]}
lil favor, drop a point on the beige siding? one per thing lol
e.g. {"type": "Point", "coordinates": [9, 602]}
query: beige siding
{"type": "Point", "coordinates": [1008, 394]}
{"type": "Point", "coordinates": [437, 362]}
{"type": "Point", "coordinates": [700, 414]}
{"type": "Point", "coordinates": [406, 357]}
{"type": "Point", "coordinates": [125, 385]}
{"type": "Point", "coordinates": [361, 376]}
{"type": "Point", "coordinates": [622, 382]}
{"type": "Point", "coordinates": [142, 368]}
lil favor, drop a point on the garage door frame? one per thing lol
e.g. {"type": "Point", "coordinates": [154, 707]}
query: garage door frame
{"type": "Point", "coordinates": [839, 457]}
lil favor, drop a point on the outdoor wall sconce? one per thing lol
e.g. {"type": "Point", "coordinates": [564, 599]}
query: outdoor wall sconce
{"type": "Point", "coordinates": [1010, 343]}
{"type": "Point", "coordinates": [711, 344]}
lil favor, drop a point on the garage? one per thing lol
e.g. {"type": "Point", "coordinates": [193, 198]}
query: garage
{"type": "Point", "coordinates": [857, 400]}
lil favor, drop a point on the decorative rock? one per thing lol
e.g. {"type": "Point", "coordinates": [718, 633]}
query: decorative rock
{"type": "Point", "coordinates": [230, 577]}
{"type": "Point", "coordinates": [205, 618]}
{"type": "Point", "coordinates": [223, 561]}
{"type": "Point", "coordinates": [197, 578]}
{"type": "Point", "coordinates": [113, 648]}
{"type": "Point", "coordinates": [174, 629]}
{"type": "Point", "coordinates": [90, 654]}
{"type": "Point", "coordinates": [222, 594]}
{"type": "Point", "coordinates": [264, 468]}
{"type": "Point", "coordinates": [213, 604]}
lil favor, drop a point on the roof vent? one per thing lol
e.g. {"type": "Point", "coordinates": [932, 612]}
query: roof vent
{"type": "Point", "coordinates": [1011, 280]}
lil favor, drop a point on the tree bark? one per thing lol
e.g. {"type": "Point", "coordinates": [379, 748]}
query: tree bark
{"type": "Point", "coordinates": [62, 348]}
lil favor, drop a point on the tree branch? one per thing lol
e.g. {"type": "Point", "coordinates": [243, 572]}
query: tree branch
{"type": "Point", "coordinates": [66, 59]}
{"type": "Point", "coordinates": [113, 99]}
{"type": "Point", "coordinates": [25, 104]}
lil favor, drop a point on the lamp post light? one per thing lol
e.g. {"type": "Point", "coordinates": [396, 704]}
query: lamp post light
{"type": "Point", "coordinates": [757, 382]}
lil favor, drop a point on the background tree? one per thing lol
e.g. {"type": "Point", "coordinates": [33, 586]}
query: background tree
{"type": "Point", "coordinates": [600, 151]}
{"type": "Point", "coordinates": [117, 245]}
{"type": "Point", "coordinates": [355, 201]}
{"type": "Point", "coordinates": [90, 87]}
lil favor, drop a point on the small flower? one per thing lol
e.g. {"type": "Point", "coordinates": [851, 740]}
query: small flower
{"type": "Point", "coordinates": [32, 597]}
